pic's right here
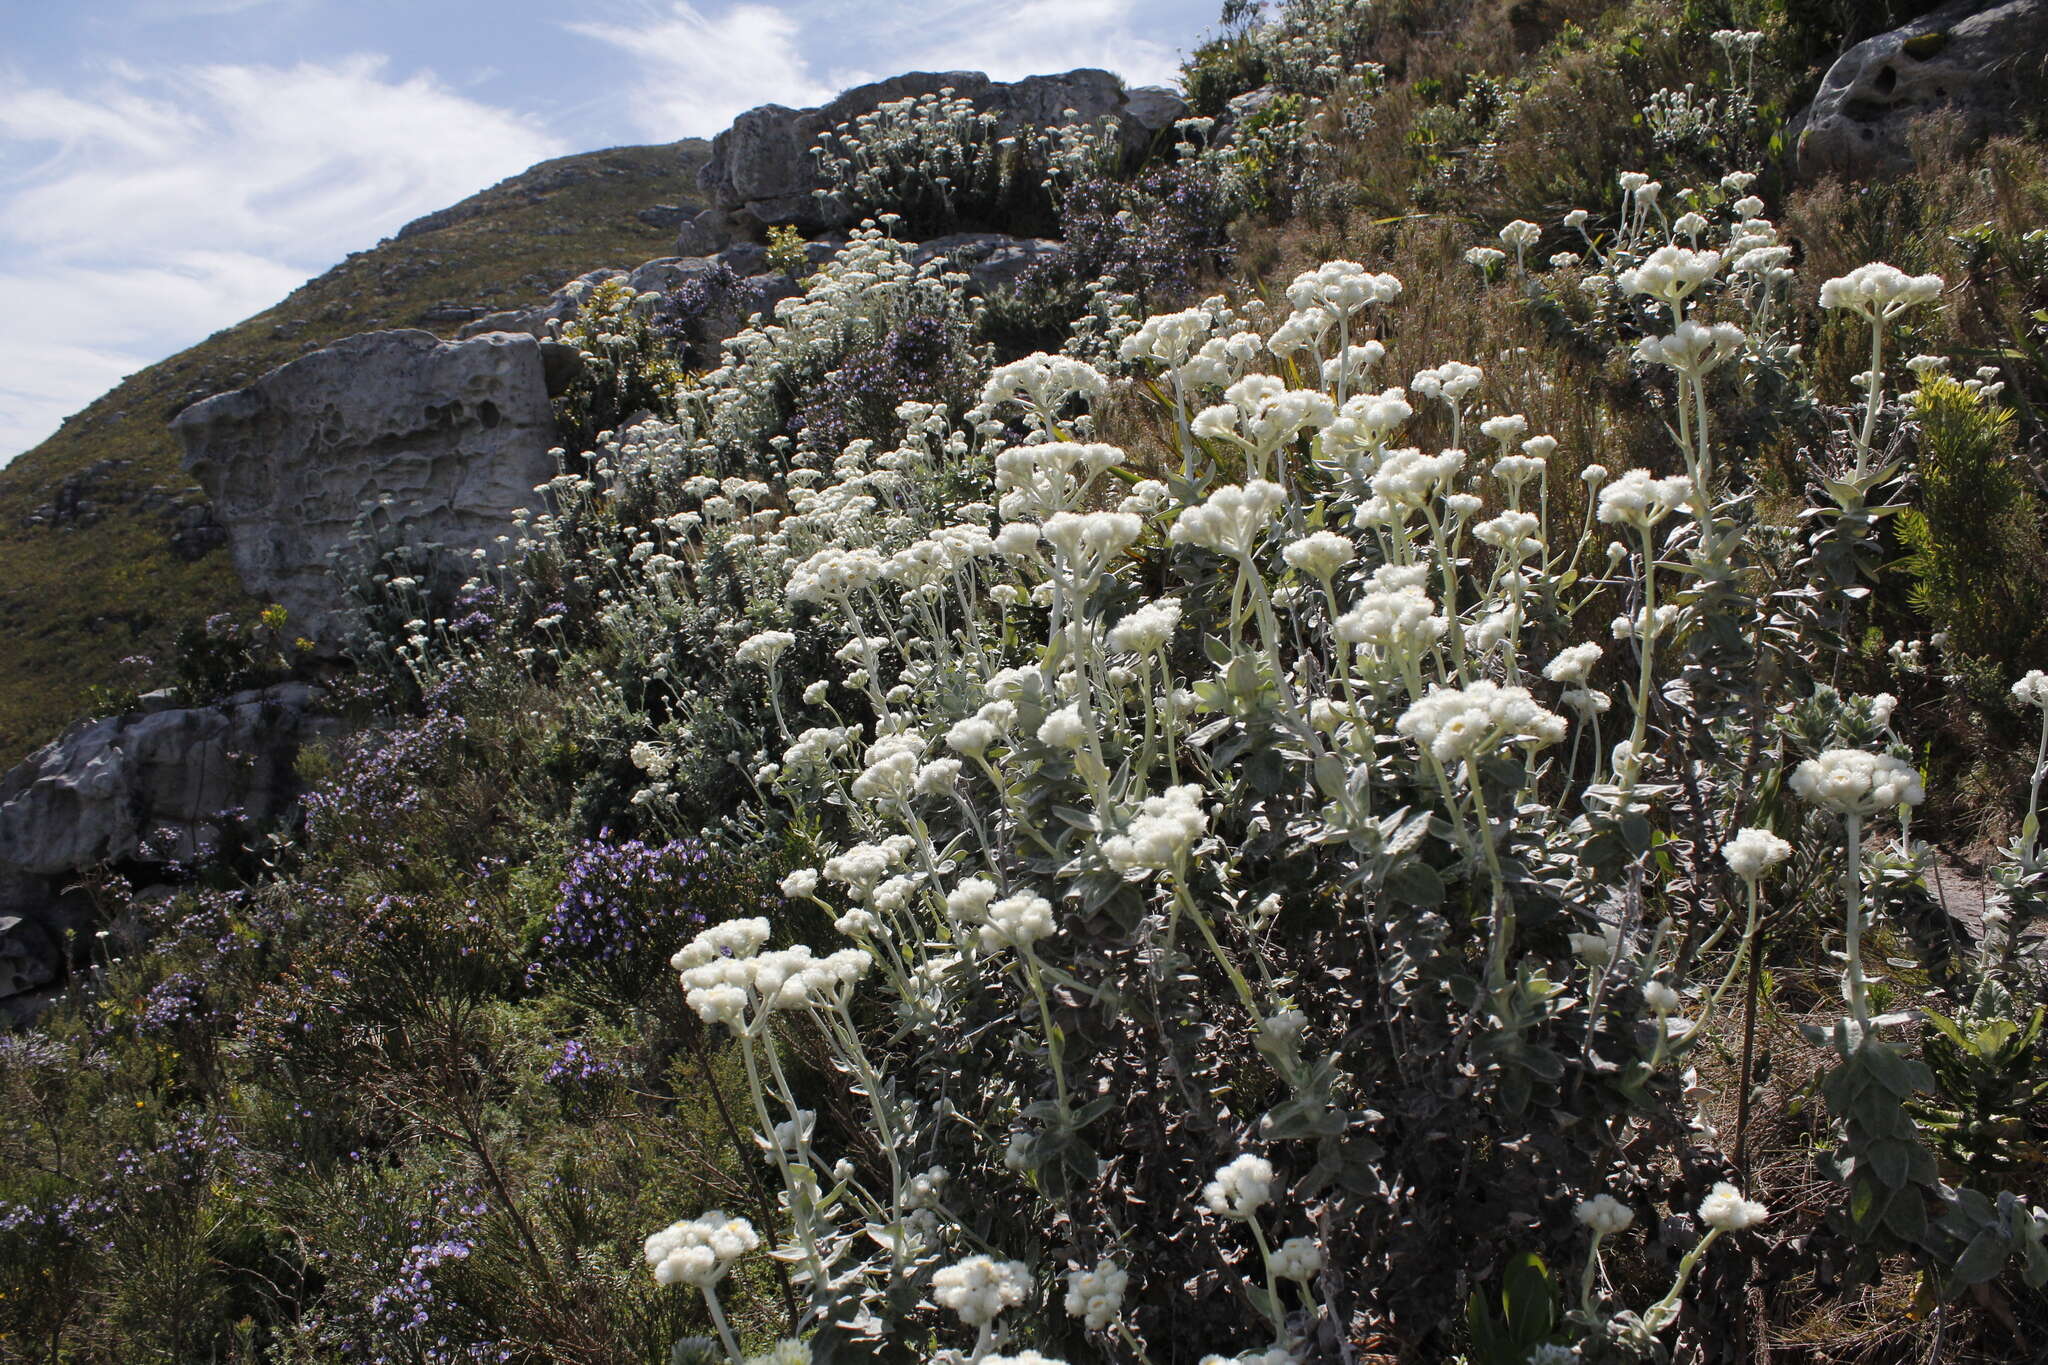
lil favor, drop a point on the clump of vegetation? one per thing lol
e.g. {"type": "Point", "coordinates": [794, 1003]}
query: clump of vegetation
{"type": "Point", "coordinates": [1386, 814]}
{"type": "Point", "coordinates": [1974, 533]}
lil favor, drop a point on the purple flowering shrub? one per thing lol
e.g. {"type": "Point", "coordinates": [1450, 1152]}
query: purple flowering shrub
{"type": "Point", "coordinates": [621, 908]}
{"type": "Point", "coordinates": [924, 359]}
{"type": "Point", "coordinates": [1158, 236]}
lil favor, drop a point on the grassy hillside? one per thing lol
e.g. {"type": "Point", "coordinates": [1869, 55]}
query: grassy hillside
{"type": "Point", "coordinates": [100, 582]}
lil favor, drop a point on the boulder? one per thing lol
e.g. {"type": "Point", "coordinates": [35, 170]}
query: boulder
{"type": "Point", "coordinates": [990, 260]}
{"type": "Point", "coordinates": [703, 234]}
{"type": "Point", "coordinates": [542, 320]}
{"type": "Point", "coordinates": [762, 173]}
{"type": "Point", "coordinates": [669, 216]}
{"type": "Point", "coordinates": [153, 786]}
{"type": "Point", "coordinates": [29, 956]}
{"type": "Point", "coordinates": [1970, 58]}
{"type": "Point", "coordinates": [444, 439]}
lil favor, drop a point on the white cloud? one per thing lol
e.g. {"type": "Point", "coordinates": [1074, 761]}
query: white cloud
{"type": "Point", "coordinates": [167, 205]}
{"type": "Point", "coordinates": [694, 73]}
{"type": "Point", "coordinates": [1043, 36]}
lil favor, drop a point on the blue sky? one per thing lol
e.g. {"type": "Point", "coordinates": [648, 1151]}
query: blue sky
{"type": "Point", "coordinates": [168, 167]}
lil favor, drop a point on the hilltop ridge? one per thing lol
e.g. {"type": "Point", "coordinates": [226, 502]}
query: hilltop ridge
{"type": "Point", "coordinates": [106, 547]}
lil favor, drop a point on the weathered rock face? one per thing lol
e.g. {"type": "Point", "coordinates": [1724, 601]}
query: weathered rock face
{"type": "Point", "coordinates": [762, 172]}
{"type": "Point", "coordinates": [152, 786]}
{"type": "Point", "coordinates": [159, 785]}
{"type": "Point", "coordinates": [990, 260]}
{"type": "Point", "coordinates": [1967, 57]}
{"type": "Point", "coordinates": [454, 434]}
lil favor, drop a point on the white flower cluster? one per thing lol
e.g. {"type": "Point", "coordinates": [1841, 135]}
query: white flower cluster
{"type": "Point", "coordinates": [1232, 519]}
{"type": "Point", "coordinates": [1725, 1210]}
{"type": "Point", "coordinates": [1097, 1296]}
{"type": "Point", "coordinates": [1857, 782]}
{"type": "Point", "coordinates": [1160, 835]}
{"type": "Point", "coordinates": [1879, 292]}
{"type": "Point", "coordinates": [727, 980]}
{"type": "Point", "coordinates": [1753, 852]}
{"type": "Point", "coordinates": [1604, 1215]}
{"type": "Point", "coordinates": [1457, 723]}
{"type": "Point", "coordinates": [979, 1288]}
{"type": "Point", "coordinates": [1241, 1188]}
{"type": "Point", "coordinates": [698, 1251]}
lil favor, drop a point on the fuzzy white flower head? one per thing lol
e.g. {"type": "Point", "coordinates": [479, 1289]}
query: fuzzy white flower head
{"type": "Point", "coordinates": [1299, 1259]}
{"type": "Point", "coordinates": [1693, 349]}
{"type": "Point", "coordinates": [736, 938]}
{"type": "Point", "coordinates": [1573, 666]}
{"type": "Point", "coordinates": [1320, 554]}
{"type": "Point", "coordinates": [1604, 1214]}
{"type": "Point", "coordinates": [1409, 478]}
{"type": "Point", "coordinates": [1520, 235]}
{"type": "Point", "coordinates": [765, 648]}
{"type": "Point", "coordinates": [1857, 782]}
{"type": "Point", "coordinates": [1162, 832]}
{"type": "Point", "coordinates": [1366, 422]}
{"type": "Point", "coordinates": [1506, 428]}
{"type": "Point", "coordinates": [1453, 381]}
{"type": "Point", "coordinates": [968, 902]}
{"type": "Point", "coordinates": [1662, 998]}
{"type": "Point", "coordinates": [1878, 291]}
{"type": "Point", "coordinates": [1148, 629]}
{"type": "Point", "coordinates": [1241, 1188]}
{"type": "Point", "coordinates": [1342, 287]}
{"type": "Point", "coordinates": [1398, 617]}
{"type": "Point", "coordinates": [1232, 519]}
{"type": "Point", "coordinates": [937, 777]}
{"type": "Point", "coordinates": [1640, 499]}
{"type": "Point", "coordinates": [1017, 922]}
{"type": "Point", "coordinates": [1671, 274]}
{"type": "Point", "coordinates": [1043, 381]}
{"type": "Point", "coordinates": [1064, 728]}
{"type": "Point", "coordinates": [1097, 1296]}
{"type": "Point", "coordinates": [800, 884]}
{"type": "Point", "coordinates": [2032, 690]}
{"type": "Point", "coordinates": [1170, 338]}
{"type": "Point", "coordinates": [1753, 852]}
{"type": "Point", "coordinates": [1456, 723]}
{"type": "Point", "coordinates": [698, 1251]}
{"type": "Point", "coordinates": [1484, 258]}
{"type": "Point", "coordinates": [979, 1288]}
{"type": "Point", "coordinates": [1725, 1210]}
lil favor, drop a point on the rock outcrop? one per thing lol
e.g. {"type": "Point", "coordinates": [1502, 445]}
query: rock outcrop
{"type": "Point", "coordinates": [1970, 58]}
{"type": "Point", "coordinates": [762, 172]}
{"type": "Point", "coordinates": [154, 786]}
{"type": "Point", "coordinates": [990, 260]}
{"type": "Point", "coordinates": [447, 439]}
{"type": "Point", "coordinates": [160, 785]}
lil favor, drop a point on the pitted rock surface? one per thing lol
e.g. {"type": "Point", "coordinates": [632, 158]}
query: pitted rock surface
{"type": "Point", "coordinates": [445, 439]}
{"type": "Point", "coordinates": [152, 786]}
{"type": "Point", "coordinates": [762, 172]}
{"type": "Point", "coordinates": [1971, 58]}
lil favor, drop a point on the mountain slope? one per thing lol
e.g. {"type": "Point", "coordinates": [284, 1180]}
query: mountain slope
{"type": "Point", "coordinates": [103, 539]}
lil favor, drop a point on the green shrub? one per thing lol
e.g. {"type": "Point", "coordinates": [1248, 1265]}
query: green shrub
{"type": "Point", "coordinates": [1976, 557]}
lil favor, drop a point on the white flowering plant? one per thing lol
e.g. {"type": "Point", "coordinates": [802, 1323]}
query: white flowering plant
{"type": "Point", "coordinates": [1217, 804]}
